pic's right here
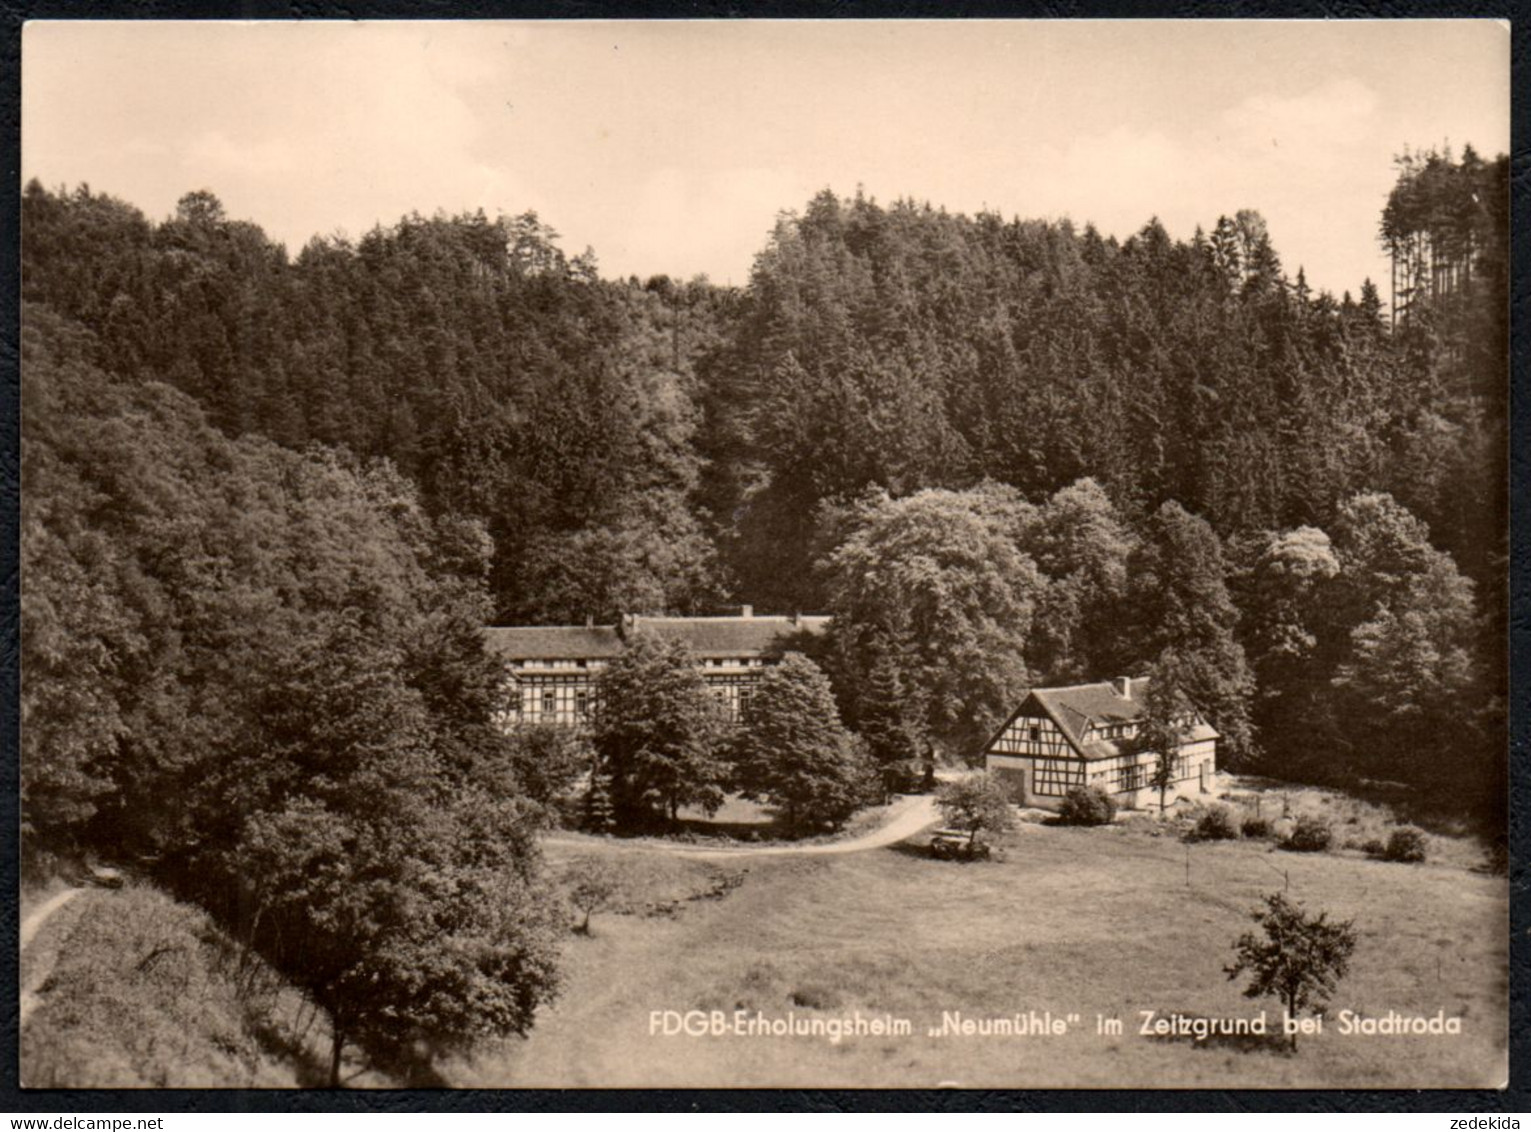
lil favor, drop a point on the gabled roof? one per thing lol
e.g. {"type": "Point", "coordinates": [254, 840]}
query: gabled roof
{"type": "Point", "coordinates": [1078, 707]}
{"type": "Point", "coordinates": [725, 637]}
{"type": "Point", "coordinates": [557, 642]}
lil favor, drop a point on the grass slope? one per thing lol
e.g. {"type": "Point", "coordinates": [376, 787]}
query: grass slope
{"type": "Point", "coordinates": [143, 991]}
{"type": "Point", "coordinates": [1070, 920]}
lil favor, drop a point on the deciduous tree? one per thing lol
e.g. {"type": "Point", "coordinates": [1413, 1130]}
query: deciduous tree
{"type": "Point", "coordinates": [1300, 959]}
{"type": "Point", "coordinates": [976, 803]}
{"type": "Point", "coordinates": [793, 752]}
{"type": "Point", "coordinates": [935, 585]}
{"type": "Point", "coordinates": [659, 733]}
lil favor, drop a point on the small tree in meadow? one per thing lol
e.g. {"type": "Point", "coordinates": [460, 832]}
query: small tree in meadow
{"type": "Point", "coordinates": [1300, 958]}
{"type": "Point", "coordinates": [976, 804]}
{"type": "Point", "coordinates": [591, 883]}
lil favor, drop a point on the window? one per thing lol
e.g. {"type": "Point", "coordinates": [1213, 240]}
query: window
{"type": "Point", "coordinates": [1034, 733]}
{"type": "Point", "coordinates": [1057, 776]}
{"type": "Point", "coordinates": [744, 700]}
{"type": "Point", "coordinates": [582, 703]}
{"type": "Point", "coordinates": [1132, 777]}
{"type": "Point", "coordinates": [549, 702]}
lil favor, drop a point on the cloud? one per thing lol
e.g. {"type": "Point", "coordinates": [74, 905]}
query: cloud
{"type": "Point", "coordinates": [213, 154]}
{"type": "Point", "coordinates": [1310, 128]}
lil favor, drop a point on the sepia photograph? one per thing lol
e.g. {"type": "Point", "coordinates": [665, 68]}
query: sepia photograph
{"type": "Point", "coordinates": [786, 554]}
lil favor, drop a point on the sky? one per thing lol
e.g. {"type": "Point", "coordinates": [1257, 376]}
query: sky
{"type": "Point", "coordinates": [671, 147]}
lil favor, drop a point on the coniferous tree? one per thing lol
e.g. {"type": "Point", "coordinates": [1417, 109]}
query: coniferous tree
{"type": "Point", "coordinates": [888, 714]}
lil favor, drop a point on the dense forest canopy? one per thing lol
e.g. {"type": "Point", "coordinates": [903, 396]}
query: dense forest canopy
{"type": "Point", "coordinates": [260, 674]}
{"type": "Point", "coordinates": [269, 500]}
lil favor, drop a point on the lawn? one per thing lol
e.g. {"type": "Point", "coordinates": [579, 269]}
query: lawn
{"type": "Point", "coordinates": [1075, 922]}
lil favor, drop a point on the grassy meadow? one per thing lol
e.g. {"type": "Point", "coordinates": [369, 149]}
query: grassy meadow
{"type": "Point", "coordinates": [1104, 921]}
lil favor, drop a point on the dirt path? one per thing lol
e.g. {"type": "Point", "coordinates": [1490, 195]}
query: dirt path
{"type": "Point", "coordinates": [39, 915]}
{"type": "Point", "coordinates": [30, 926]}
{"type": "Point", "coordinates": [906, 817]}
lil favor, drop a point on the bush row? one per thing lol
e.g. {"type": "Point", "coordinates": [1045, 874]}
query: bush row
{"type": "Point", "coordinates": [1310, 834]}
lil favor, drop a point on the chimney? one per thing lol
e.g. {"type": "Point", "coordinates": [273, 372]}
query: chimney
{"type": "Point", "coordinates": [628, 623]}
{"type": "Point", "coordinates": [1122, 686]}
{"type": "Point", "coordinates": [746, 611]}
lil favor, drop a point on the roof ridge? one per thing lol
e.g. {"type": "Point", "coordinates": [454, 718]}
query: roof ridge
{"type": "Point", "coordinates": [548, 628]}
{"type": "Point", "coordinates": [1076, 687]}
{"type": "Point", "coordinates": [725, 616]}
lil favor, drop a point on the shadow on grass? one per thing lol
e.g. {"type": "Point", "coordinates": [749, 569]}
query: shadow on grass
{"type": "Point", "coordinates": [920, 850]}
{"type": "Point", "coordinates": [745, 831]}
{"type": "Point", "coordinates": [704, 831]}
{"type": "Point", "coordinates": [309, 1070]}
{"type": "Point", "coordinates": [407, 1067]}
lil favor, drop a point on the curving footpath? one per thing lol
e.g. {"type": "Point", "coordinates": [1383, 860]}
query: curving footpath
{"type": "Point", "coordinates": [29, 929]}
{"type": "Point", "coordinates": [34, 922]}
{"type": "Point", "coordinates": [906, 817]}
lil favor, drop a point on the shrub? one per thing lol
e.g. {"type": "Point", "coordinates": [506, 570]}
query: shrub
{"type": "Point", "coordinates": [1311, 834]}
{"type": "Point", "coordinates": [1256, 827]}
{"type": "Point", "coordinates": [1086, 805]}
{"type": "Point", "coordinates": [1215, 824]}
{"type": "Point", "coordinates": [1373, 847]}
{"type": "Point", "coordinates": [1406, 844]}
{"type": "Point", "coordinates": [814, 996]}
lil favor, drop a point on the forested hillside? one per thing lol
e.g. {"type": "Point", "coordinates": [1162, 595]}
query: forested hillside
{"type": "Point", "coordinates": [999, 451]}
{"type": "Point", "coordinates": [258, 676]}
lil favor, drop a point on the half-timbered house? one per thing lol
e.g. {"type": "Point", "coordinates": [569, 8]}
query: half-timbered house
{"type": "Point", "coordinates": [555, 668]}
{"type": "Point", "coordinates": [1087, 734]}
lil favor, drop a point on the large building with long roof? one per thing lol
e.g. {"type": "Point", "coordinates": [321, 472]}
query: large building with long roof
{"type": "Point", "coordinates": [555, 668]}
